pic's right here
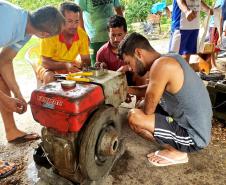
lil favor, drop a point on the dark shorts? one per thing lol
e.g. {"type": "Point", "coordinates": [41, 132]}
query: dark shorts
{"type": "Point", "coordinates": [167, 131]}
{"type": "Point", "coordinates": [184, 41]}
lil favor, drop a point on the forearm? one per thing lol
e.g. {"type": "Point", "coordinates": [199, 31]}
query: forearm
{"type": "Point", "coordinates": [7, 73]}
{"type": "Point", "coordinates": [3, 99]}
{"type": "Point", "coordinates": [6, 70]}
{"type": "Point", "coordinates": [182, 5]}
{"type": "Point", "coordinates": [139, 91]}
{"type": "Point", "coordinates": [149, 104]}
{"type": "Point", "coordinates": [2, 96]}
{"type": "Point", "coordinates": [205, 7]}
{"type": "Point", "coordinates": [54, 65]}
{"type": "Point", "coordinates": [85, 61]}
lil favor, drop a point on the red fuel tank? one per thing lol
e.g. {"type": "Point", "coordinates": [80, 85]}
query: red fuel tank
{"type": "Point", "coordinates": [65, 110]}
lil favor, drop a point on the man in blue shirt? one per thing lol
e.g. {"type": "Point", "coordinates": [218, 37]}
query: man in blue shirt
{"type": "Point", "coordinates": [18, 26]}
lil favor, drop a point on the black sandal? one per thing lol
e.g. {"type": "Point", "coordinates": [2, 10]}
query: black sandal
{"type": "Point", "coordinates": [6, 169]}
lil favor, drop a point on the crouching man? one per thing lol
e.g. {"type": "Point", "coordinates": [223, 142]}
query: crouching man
{"type": "Point", "coordinates": [184, 123]}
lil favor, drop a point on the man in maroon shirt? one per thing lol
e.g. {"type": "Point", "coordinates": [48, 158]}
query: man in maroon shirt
{"type": "Point", "coordinates": [107, 54]}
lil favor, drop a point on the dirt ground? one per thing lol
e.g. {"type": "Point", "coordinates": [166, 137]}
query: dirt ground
{"type": "Point", "coordinates": [206, 167]}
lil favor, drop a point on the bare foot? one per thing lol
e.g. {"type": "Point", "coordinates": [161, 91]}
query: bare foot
{"type": "Point", "coordinates": [167, 157]}
{"type": "Point", "coordinates": [14, 133]}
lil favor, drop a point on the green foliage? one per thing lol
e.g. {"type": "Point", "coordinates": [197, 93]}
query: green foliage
{"type": "Point", "coordinates": [34, 4]}
{"type": "Point", "coordinates": [164, 20]}
{"type": "Point", "coordinates": [136, 11]}
{"type": "Point", "coordinates": [210, 3]}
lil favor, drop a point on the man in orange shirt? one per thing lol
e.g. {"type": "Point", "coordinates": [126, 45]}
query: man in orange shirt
{"type": "Point", "coordinates": [58, 53]}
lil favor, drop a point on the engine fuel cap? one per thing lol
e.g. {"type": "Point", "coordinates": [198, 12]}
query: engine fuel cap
{"type": "Point", "coordinates": [68, 84]}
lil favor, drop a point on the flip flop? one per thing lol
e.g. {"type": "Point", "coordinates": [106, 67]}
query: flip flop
{"type": "Point", "coordinates": [212, 76]}
{"type": "Point", "coordinates": [25, 138]}
{"type": "Point", "coordinates": [169, 161]}
{"type": "Point", "coordinates": [215, 71]}
{"type": "Point", "coordinates": [6, 169]}
{"type": "Point", "coordinates": [221, 55]}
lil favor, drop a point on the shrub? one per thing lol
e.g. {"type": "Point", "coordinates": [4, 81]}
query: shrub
{"type": "Point", "coordinates": [34, 4]}
{"type": "Point", "coordinates": [137, 11]}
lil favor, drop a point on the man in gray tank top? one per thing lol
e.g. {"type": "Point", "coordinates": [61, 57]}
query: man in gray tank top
{"type": "Point", "coordinates": [183, 124]}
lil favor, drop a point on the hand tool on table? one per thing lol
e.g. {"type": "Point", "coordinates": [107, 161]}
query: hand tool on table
{"type": "Point", "coordinates": [78, 77]}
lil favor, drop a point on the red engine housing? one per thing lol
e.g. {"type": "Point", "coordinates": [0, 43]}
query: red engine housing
{"type": "Point", "coordinates": [65, 110]}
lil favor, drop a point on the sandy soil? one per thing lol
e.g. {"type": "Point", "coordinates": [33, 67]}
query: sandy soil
{"type": "Point", "coordinates": [206, 167]}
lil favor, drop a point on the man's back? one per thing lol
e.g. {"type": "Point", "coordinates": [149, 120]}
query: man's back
{"type": "Point", "coordinates": [13, 21]}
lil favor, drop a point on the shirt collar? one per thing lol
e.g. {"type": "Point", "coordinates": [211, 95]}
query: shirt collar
{"type": "Point", "coordinates": [109, 45]}
{"type": "Point", "coordinates": [62, 39]}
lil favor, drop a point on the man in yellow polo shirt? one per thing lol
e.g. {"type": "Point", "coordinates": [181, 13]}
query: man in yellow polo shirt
{"type": "Point", "coordinates": [58, 53]}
